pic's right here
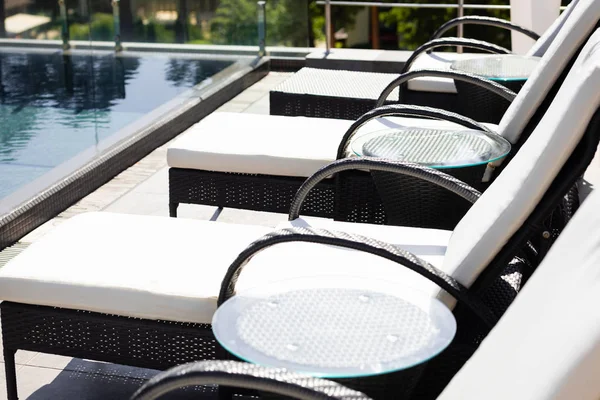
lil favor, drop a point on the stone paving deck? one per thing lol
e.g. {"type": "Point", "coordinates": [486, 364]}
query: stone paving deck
{"type": "Point", "coordinates": [143, 189]}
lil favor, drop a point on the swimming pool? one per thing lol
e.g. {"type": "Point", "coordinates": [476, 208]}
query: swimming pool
{"type": "Point", "coordinates": [55, 108]}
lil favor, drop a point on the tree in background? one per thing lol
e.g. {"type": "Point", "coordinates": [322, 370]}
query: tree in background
{"type": "Point", "coordinates": [341, 17]}
{"type": "Point", "coordinates": [235, 23]}
{"type": "Point", "coordinates": [415, 26]}
{"type": "Point", "coordinates": [297, 23]}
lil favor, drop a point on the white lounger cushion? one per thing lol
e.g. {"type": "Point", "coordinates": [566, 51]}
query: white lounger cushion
{"type": "Point", "coordinates": [270, 144]}
{"type": "Point", "coordinates": [542, 44]}
{"type": "Point", "coordinates": [428, 244]}
{"type": "Point", "coordinates": [172, 269]}
{"type": "Point", "coordinates": [509, 201]}
{"type": "Point", "coordinates": [547, 345]}
{"type": "Point", "coordinates": [258, 144]}
{"type": "Point", "coordinates": [137, 266]}
{"type": "Point", "coordinates": [437, 61]}
{"type": "Point", "coordinates": [583, 15]}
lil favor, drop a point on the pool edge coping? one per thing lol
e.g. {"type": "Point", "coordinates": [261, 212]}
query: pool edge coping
{"type": "Point", "coordinates": [51, 201]}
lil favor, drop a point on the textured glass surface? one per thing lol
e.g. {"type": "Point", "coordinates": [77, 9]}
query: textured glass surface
{"type": "Point", "coordinates": [435, 148]}
{"type": "Point", "coordinates": [334, 326]}
{"type": "Point", "coordinates": [507, 67]}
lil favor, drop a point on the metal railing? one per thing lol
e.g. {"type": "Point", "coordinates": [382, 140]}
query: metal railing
{"type": "Point", "coordinates": [116, 13]}
{"type": "Point", "coordinates": [460, 6]}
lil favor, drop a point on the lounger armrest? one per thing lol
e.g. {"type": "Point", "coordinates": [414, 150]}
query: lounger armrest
{"type": "Point", "coordinates": [480, 20]}
{"type": "Point", "coordinates": [388, 251]}
{"type": "Point", "coordinates": [244, 375]}
{"type": "Point", "coordinates": [453, 42]}
{"type": "Point", "coordinates": [419, 171]}
{"type": "Point", "coordinates": [490, 85]}
{"type": "Point", "coordinates": [404, 110]}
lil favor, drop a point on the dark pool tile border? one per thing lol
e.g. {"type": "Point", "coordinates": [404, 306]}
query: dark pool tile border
{"type": "Point", "coordinates": [51, 201]}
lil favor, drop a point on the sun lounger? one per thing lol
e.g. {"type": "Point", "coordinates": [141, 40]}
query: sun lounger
{"type": "Point", "coordinates": [541, 348]}
{"type": "Point", "coordinates": [141, 290]}
{"type": "Point", "coordinates": [258, 162]}
{"type": "Point", "coordinates": [349, 94]}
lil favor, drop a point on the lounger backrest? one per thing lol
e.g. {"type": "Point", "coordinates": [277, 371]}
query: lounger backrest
{"type": "Point", "coordinates": [541, 45]}
{"type": "Point", "coordinates": [547, 344]}
{"type": "Point", "coordinates": [562, 51]}
{"type": "Point", "coordinates": [517, 191]}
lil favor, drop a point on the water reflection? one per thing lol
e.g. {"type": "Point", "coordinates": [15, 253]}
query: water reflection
{"type": "Point", "coordinates": [53, 107]}
{"type": "Point", "coordinates": [72, 82]}
{"type": "Point", "coordinates": [185, 74]}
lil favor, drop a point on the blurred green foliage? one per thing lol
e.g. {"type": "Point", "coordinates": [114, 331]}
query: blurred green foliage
{"type": "Point", "coordinates": [101, 27]}
{"type": "Point", "coordinates": [295, 23]}
{"type": "Point", "coordinates": [235, 23]}
{"type": "Point", "coordinates": [416, 25]}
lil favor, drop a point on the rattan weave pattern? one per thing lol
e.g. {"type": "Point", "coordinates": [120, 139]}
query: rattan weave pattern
{"type": "Point", "coordinates": [246, 191]}
{"type": "Point", "coordinates": [357, 198]}
{"type": "Point", "coordinates": [335, 83]}
{"type": "Point", "coordinates": [245, 375]}
{"type": "Point", "coordinates": [503, 291]}
{"type": "Point", "coordinates": [308, 105]}
{"type": "Point", "coordinates": [102, 337]}
{"type": "Point", "coordinates": [396, 201]}
{"type": "Point", "coordinates": [320, 93]}
{"type": "Point", "coordinates": [410, 201]}
{"type": "Point", "coordinates": [477, 101]}
{"type": "Point", "coordinates": [312, 101]}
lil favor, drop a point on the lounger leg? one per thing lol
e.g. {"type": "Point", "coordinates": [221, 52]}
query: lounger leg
{"type": "Point", "coordinates": [173, 209]}
{"type": "Point", "coordinates": [11, 374]}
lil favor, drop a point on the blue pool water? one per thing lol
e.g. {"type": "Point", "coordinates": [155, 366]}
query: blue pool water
{"type": "Point", "coordinates": [53, 107]}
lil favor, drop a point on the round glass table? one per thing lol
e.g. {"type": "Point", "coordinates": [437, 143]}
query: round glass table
{"type": "Point", "coordinates": [506, 67]}
{"type": "Point", "coordinates": [435, 148]}
{"type": "Point", "coordinates": [334, 327]}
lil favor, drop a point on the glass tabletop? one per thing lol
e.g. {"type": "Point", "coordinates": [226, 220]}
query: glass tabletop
{"type": "Point", "coordinates": [506, 67]}
{"type": "Point", "coordinates": [334, 326]}
{"type": "Point", "coordinates": [435, 148]}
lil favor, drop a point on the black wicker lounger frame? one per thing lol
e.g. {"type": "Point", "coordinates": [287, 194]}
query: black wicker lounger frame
{"type": "Point", "coordinates": [163, 344]}
{"type": "Point", "coordinates": [314, 101]}
{"type": "Point", "coordinates": [355, 196]}
{"type": "Point", "coordinates": [332, 198]}
{"type": "Point", "coordinates": [470, 100]}
{"type": "Point", "coordinates": [246, 376]}
{"type": "Point", "coordinates": [355, 199]}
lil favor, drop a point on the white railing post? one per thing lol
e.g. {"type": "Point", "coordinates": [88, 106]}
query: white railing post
{"type": "Point", "coordinates": [328, 38]}
{"type": "Point", "coordinates": [536, 15]}
{"type": "Point", "coordinates": [262, 28]}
